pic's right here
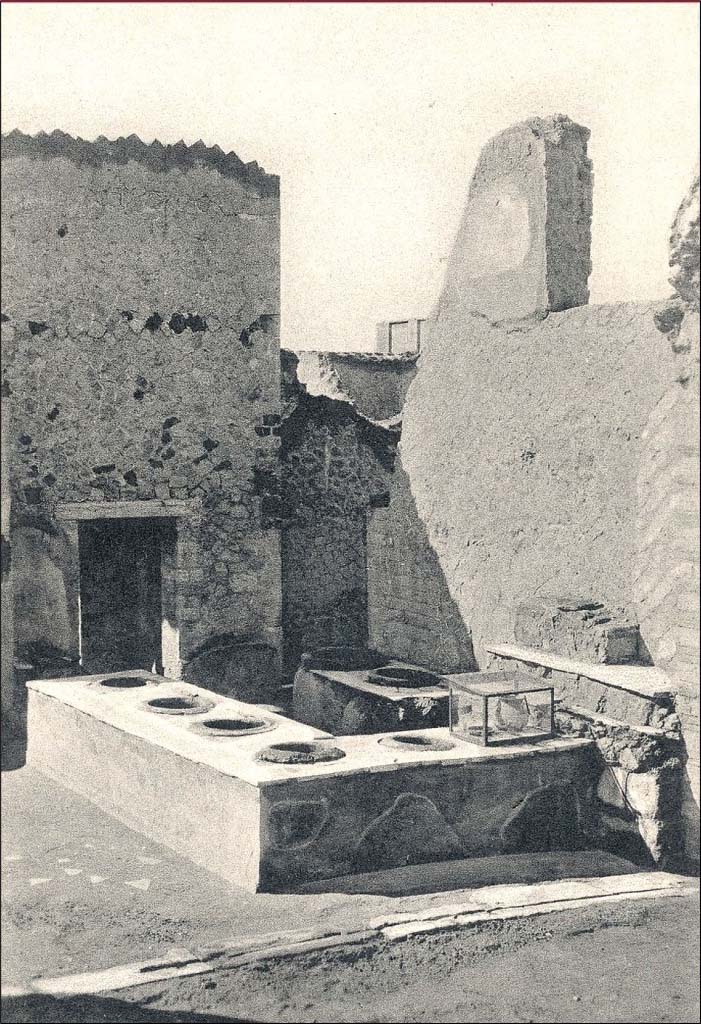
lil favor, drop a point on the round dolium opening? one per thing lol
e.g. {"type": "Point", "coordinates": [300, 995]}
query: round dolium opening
{"type": "Point", "coordinates": [300, 753]}
{"type": "Point", "coordinates": [123, 682]}
{"type": "Point", "coordinates": [179, 705]}
{"type": "Point", "coordinates": [416, 741]}
{"type": "Point", "coordinates": [234, 725]}
{"type": "Point", "coordinates": [400, 677]}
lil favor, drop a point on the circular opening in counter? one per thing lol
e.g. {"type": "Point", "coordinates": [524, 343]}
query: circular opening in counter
{"type": "Point", "coordinates": [409, 678]}
{"type": "Point", "coordinates": [239, 725]}
{"type": "Point", "coordinates": [175, 705]}
{"type": "Point", "coordinates": [300, 753]}
{"type": "Point", "coordinates": [126, 682]}
{"type": "Point", "coordinates": [341, 659]}
{"type": "Point", "coordinates": [415, 741]}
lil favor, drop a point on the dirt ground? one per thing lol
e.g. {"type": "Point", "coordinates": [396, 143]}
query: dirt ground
{"type": "Point", "coordinates": [81, 891]}
{"type": "Point", "coordinates": [645, 970]}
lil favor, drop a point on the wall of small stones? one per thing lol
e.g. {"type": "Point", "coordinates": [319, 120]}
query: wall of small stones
{"type": "Point", "coordinates": [105, 226]}
{"type": "Point", "coordinates": [141, 350]}
{"type": "Point", "coordinates": [131, 415]}
{"type": "Point", "coordinates": [324, 596]}
{"type": "Point", "coordinates": [412, 614]}
{"type": "Point", "coordinates": [335, 466]}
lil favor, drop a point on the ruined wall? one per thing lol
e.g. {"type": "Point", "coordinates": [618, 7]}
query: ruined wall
{"type": "Point", "coordinates": [6, 591]}
{"type": "Point", "coordinates": [524, 240]}
{"type": "Point", "coordinates": [140, 340]}
{"type": "Point", "coordinates": [553, 454]}
{"type": "Point", "coordinates": [335, 466]}
{"type": "Point", "coordinates": [523, 459]}
{"type": "Point", "coordinates": [375, 384]}
{"type": "Point", "coordinates": [667, 576]}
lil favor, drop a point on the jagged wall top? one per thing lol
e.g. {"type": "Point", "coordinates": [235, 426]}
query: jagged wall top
{"type": "Point", "coordinates": [523, 246]}
{"type": "Point", "coordinates": [156, 156]}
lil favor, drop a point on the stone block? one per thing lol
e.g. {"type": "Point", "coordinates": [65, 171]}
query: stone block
{"type": "Point", "coordinates": [579, 628]}
{"type": "Point", "coordinates": [581, 693]}
{"type": "Point", "coordinates": [348, 703]}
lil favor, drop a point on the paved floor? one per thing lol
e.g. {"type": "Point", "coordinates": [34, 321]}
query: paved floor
{"type": "Point", "coordinates": [81, 892]}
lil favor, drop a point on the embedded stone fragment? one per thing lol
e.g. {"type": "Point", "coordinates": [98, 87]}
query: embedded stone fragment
{"type": "Point", "coordinates": [684, 248]}
{"type": "Point", "coordinates": [411, 831]}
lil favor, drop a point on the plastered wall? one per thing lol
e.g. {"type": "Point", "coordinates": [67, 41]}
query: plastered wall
{"type": "Point", "coordinates": [552, 454]}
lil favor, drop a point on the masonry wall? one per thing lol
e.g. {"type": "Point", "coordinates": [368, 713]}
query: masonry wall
{"type": "Point", "coordinates": [141, 347]}
{"type": "Point", "coordinates": [555, 454]}
{"type": "Point", "coordinates": [335, 467]}
{"type": "Point", "coordinates": [412, 614]}
{"type": "Point", "coordinates": [524, 471]}
{"type": "Point", "coordinates": [375, 384]}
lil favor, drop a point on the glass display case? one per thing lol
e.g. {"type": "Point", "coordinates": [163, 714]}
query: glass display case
{"type": "Point", "coordinates": [500, 707]}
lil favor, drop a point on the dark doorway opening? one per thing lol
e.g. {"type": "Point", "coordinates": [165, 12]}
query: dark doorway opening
{"type": "Point", "coordinates": [120, 593]}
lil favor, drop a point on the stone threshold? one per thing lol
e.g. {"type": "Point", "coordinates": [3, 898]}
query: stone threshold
{"type": "Point", "coordinates": [492, 903]}
{"type": "Point", "coordinates": [641, 680]}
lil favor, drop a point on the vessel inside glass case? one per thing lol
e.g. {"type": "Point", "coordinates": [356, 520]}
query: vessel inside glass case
{"type": "Point", "coordinates": [500, 707]}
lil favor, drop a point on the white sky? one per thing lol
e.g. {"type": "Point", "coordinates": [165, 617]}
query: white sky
{"type": "Point", "coordinates": [373, 115]}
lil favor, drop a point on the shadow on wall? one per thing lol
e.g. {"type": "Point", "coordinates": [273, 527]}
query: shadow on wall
{"type": "Point", "coordinates": [45, 587]}
{"type": "Point", "coordinates": [412, 615]}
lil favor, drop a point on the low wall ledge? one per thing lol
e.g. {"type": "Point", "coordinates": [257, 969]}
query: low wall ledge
{"type": "Point", "coordinates": [646, 681]}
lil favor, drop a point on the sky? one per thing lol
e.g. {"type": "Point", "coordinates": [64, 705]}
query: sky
{"type": "Point", "coordinates": [373, 115]}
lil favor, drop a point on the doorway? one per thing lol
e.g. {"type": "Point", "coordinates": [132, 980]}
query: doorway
{"type": "Point", "coordinates": [120, 592]}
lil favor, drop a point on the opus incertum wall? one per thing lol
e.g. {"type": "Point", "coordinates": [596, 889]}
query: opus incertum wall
{"type": "Point", "coordinates": [141, 345]}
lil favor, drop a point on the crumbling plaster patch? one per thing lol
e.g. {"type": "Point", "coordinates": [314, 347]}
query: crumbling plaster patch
{"type": "Point", "coordinates": [376, 385]}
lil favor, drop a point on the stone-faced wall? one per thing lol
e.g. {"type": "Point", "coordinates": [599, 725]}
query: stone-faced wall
{"type": "Point", "coordinates": [140, 337]}
{"type": "Point", "coordinates": [101, 227]}
{"type": "Point", "coordinates": [335, 466]}
{"type": "Point", "coordinates": [667, 578]}
{"type": "Point", "coordinates": [412, 615]}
